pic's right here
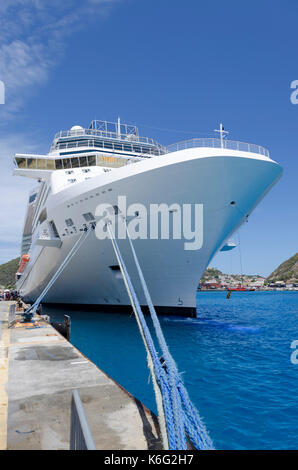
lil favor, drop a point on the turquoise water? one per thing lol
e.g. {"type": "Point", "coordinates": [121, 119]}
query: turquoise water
{"type": "Point", "coordinates": [235, 360]}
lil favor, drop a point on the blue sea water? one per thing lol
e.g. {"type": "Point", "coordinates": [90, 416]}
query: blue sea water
{"type": "Point", "coordinates": [235, 359]}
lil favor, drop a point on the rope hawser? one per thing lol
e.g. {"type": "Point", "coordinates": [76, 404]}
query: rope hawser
{"type": "Point", "coordinates": [180, 422]}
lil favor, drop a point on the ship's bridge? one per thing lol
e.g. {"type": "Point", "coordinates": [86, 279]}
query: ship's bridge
{"type": "Point", "coordinates": [108, 136]}
{"type": "Point", "coordinates": [105, 144]}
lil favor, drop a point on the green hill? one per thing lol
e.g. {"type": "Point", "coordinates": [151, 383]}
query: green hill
{"type": "Point", "coordinates": [7, 273]}
{"type": "Point", "coordinates": [287, 271]}
{"type": "Point", "coordinates": [211, 273]}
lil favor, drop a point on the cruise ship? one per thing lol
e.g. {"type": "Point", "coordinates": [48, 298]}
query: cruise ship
{"type": "Point", "coordinates": [88, 167]}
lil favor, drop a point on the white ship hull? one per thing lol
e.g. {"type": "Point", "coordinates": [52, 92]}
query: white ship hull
{"type": "Point", "coordinates": [212, 177]}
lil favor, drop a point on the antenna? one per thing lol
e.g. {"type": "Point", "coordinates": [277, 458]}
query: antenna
{"type": "Point", "coordinates": [222, 133]}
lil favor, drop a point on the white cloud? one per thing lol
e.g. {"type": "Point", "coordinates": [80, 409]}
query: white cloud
{"type": "Point", "coordinates": [32, 37]}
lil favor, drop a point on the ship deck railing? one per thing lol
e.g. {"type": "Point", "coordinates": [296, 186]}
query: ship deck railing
{"type": "Point", "coordinates": [217, 143]}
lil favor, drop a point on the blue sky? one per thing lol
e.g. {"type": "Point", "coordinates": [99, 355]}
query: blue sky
{"type": "Point", "coordinates": [176, 70]}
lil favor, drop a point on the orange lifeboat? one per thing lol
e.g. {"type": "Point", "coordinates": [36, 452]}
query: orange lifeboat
{"type": "Point", "coordinates": [23, 262]}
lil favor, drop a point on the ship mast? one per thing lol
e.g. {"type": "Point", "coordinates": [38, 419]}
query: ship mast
{"type": "Point", "coordinates": [222, 133]}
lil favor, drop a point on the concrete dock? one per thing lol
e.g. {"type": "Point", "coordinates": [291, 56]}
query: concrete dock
{"type": "Point", "coordinates": [39, 369]}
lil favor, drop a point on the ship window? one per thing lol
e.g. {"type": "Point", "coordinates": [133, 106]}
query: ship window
{"type": "Point", "coordinates": [75, 162]}
{"type": "Point", "coordinates": [66, 163]}
{"type": "Point", "coordinates": [69, 222]}
{"type": "Point", "coordinates": [71, 180]}
{"type": "Point", "coordinates": [118, 147]}
{"type": "Point", "coordinates": [59, 165]}
{"type": "Point", "coordinates": [108, 145]}
{"type": "Point", "coordinates": [98, 144]}
{"type": "Point", "coordinates": [83, 143]}
{"type": "Point", "coordinates": [50, 164]}
{"type": "Point", "coordinates": [92, 160]}
{"type": "Point", "coordinates": [88, 216]}
{"type": "Point", "coordinates": [127, 148]}
{"type": "Point", "coordinates": [136, 149]}
{"type": "Point", "coordinates": [41, 164]}
{"type": "Point", "coordinates": [83, 161]}
{"type": "Point", "coordinates": [31, 163]}
{"type": "Point", "coordinates": [21, 162]}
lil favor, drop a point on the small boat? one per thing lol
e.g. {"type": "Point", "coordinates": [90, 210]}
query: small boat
{"type": "Point", "coordinates": [237, 289]}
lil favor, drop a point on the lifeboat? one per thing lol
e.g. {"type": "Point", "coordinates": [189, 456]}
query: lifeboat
{"type": "Point", "coordinates": [23, 263]}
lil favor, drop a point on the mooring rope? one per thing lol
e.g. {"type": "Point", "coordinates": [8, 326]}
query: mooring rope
{"type": "Point", "coordinates": [192, 415]}
{"type": "Point", "coordinates": [177, 414]}
{"type": "Point", "coordinates": [62, 266]}
{"type": "Point", "coordinates": [147, 339]}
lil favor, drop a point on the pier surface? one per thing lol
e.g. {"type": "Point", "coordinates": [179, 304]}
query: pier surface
{"type": "Point", "coordinates": [39, 369]}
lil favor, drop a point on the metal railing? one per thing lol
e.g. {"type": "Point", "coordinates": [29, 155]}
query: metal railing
{"type": "Point", "coordinates": [216, 143]}
{"type": "Point", "coordinates": [80, 434]}
{"type": "Point", "coordinates": [11, 315]}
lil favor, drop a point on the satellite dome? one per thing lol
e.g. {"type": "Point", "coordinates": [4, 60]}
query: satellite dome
{"type": "Point", "coordinates": [77, 128]}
